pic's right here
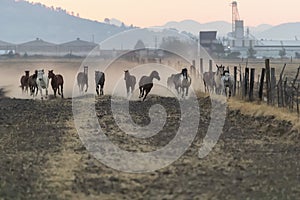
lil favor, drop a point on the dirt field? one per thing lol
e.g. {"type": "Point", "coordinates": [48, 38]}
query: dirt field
{"type": "Point", "coordinates": [42, 157]}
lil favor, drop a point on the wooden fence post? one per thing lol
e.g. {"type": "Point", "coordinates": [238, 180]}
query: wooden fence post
{"type": "Point", "coordinates": [241, 88]}
{"type": "Point", "coordinates": [252, 76]}
{"type": "Point", "coordinates": [298, 100]}
{"type": "Point", "coordinates": [210, 65]}
{"type": "Point", "coordinates": [261, 86]}
{"type": "Point", "coordinates": [201, 65]}
{"type": "Point", "coordinates": [246, 81]}
{"type": "Point", "coordinates": [268, 80]}
{"type": "Point", "coordinates": [280, 95]}
{"type": "Point", "coordinates": [286, 103]}
{"type": "Point", "coordinates": [235, 77]}
{"type": "Point", "coordinates": [193, 69]}
{"type": "Point", "coordinates": [273, 85]}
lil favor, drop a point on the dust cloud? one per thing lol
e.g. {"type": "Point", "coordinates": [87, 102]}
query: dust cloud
{"type": "Point", "coordinates": [12, 70]}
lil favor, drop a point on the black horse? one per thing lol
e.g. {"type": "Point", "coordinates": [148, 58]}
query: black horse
{"type": "Point", "coordinates": [146, 84]}
{"type": "Point", "coordinates": [130, 81]}
{"type": "Point", "coordinates": [99, 80]}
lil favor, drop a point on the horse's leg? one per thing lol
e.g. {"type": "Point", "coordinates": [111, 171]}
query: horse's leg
{"type": "Point", "coordinates": [62, 90]}
{"type": "Point", "coordinates": [141, 92]}
{"type": "Point", "coordinates": [41, 93]}
{"type": "Point", "coordinates": [177, 89]}
{"type": "Point", "coordinates": [37, 90]}
{"type": "Point", "coordinates": [54, 91]}
{"type": "Point", "coordinates": [147, 91]}
{"type": "Point", "coordinates": [58, 91]}
{"type": "Point", "coordinates": [97, 89]}
{"type": "Point", "coordinates": [101, 90]}
{"type": "Point", "coordinates": [87, 86]}
{"type": "Point", "coordinates": [79, 87]}
{"type": "Point", "coordinates": [128, 90]}
{"type": "Point", "coordinates": [187, 91]}
{"type": "Point", "coordinates": [205, 87]}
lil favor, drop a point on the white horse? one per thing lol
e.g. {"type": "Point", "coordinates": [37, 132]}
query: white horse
{"type": "Point", "coordinates": [224, 81]}
{"type": "Point", "coordinates": [42, 82]}
{"type": "Point", "coordinates": [227, 83]}
{"type": "Point", "coordinates": [182, 81]}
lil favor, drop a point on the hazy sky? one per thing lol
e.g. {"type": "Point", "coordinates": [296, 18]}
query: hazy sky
{"type": "Point", "coordinates": [144, 13]}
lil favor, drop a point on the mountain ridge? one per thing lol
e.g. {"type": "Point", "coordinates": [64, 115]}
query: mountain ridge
{"type": "Point", "coordinates": [22, 21]}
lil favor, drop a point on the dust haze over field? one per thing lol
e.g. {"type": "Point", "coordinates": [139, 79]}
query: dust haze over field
{"type": "Point", "coordinates": [12, 70]}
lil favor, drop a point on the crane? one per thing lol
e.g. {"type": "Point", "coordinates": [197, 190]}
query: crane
{"type": "Point", "coordinates": [235, 15]}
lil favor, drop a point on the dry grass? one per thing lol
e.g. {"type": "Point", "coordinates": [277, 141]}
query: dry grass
{"type": "Point", "coordinates": [262, 109]}
{"type": "Point", "coordinates": [258, 109]}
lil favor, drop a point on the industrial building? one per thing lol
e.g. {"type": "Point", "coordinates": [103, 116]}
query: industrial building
{"type": "Point", "coordinates": [241, 40]}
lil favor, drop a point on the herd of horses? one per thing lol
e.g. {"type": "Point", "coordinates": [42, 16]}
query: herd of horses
{"type": "Point", "coordinates": [219, 82]}
{"type": "Point", "coordinates": [39, 81]}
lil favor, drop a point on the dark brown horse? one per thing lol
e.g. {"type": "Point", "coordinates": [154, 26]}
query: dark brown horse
{"type": "Point", "coordinates": [32, 84]}
{"type": "Point", "coordinates": [56, 82]}
{"type": "Point", "coordinates": [146, 84]}
{"type": "Point", "coordinates": [24, 82]}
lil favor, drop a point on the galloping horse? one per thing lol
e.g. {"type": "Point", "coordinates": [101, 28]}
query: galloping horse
{"type": "Point", "coordinates": [32, 84]}
{"type": "Point", "coordinates": [57, 81]}
{"type": "Point", "coordinates": [82, 79]}
{"type": "Point", "coordinates": [130, 81]}
{"type": "Point", "coordinates": [182, 82]}
{"type": "Point", "coordinates": [42, 82]}
{"type": "Point", "coordinates": [218, 79]}
{"type": "Point", "coordinates": [170, 82]}
{"type": "Point", "coordinates": [99, 80]}
{"type": "Point", "coordinates": [209, 81]}
{"type": "Point", "coordinates": [146, 83]}
{"type": "Point", "coordinates": [24, 82]}
{"type": "Point", "coordinates": [227, 82]}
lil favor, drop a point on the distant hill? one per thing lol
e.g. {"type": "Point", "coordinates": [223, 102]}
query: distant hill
{"type": "Point", "coordinates": [22, 21]}
{"type": "Point", "coordinates": [194, 27]}
{"type": "Point", "coordinates": [286, 31]}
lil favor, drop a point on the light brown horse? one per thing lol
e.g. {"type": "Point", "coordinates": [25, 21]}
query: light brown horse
{"type": "Point", "coordinates": [56, 82]}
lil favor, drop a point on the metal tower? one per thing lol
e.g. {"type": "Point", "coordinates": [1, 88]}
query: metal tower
{"type": "Point", "coordinates": [235, 15]}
